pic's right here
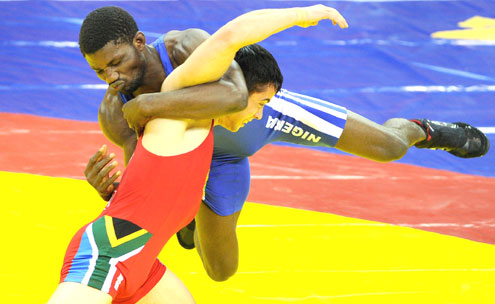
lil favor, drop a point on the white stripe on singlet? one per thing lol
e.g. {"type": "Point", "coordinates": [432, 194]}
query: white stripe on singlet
{"type": "Point", "coordinates": [94, 254]}
{"type": "Point", "coordinates": [113, 268]}
{"type": "Point", "coordinates": [307, 118]}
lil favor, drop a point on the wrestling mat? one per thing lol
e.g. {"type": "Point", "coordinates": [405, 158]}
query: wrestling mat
{"type": "Point", "coordinates": [322, 226]}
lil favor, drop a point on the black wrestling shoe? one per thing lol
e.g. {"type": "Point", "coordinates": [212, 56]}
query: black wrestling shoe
{"type": "Point", "coordinates": [458, 138]}
{"type": "Point", "coordinates": [185, 236]}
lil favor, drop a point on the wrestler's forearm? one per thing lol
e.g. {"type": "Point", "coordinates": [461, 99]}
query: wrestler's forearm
{"type": "Point", "coordinates": [205, 101]}
{"type": "Point", "coordinates": [212, 58]}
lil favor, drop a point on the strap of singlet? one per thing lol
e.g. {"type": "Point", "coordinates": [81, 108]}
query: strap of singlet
{"type": "Point", "coordinates": [159, 45]}
{"type": "Point", "coordinates": [125, 98]}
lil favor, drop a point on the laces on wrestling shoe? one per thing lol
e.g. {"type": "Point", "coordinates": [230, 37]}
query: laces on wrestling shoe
{"type": "Point", "coordinates": [185, 236]}
{"type": "Point", "coordinates": [458, 138]}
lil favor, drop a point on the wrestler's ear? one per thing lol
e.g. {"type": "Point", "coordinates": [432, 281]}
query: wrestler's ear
{"type": "Point", "coordinates": [139, 41]}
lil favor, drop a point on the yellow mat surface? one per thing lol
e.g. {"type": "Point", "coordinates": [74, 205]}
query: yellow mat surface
{"type": "Point", "coordinates": [287, 255]}
{"type": "Point", "coordinates": [475, 28]}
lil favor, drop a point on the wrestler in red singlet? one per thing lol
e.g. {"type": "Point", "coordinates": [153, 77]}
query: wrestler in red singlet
{"type": "Point", "coordinates": [158, 195]}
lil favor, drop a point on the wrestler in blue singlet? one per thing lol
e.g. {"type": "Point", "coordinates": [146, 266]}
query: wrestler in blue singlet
{"type": "Point", "coordinates": [288, 117]}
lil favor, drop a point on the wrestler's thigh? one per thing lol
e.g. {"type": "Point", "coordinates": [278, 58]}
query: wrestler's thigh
{"type": "Point", "coordinates": [169, 290]}
{"type": "Point", "coordinates": [217, 235]}
{"type": "Point", "coordinates": [76, 293]}
{"type": "Point", "coordinates": [364, 137]}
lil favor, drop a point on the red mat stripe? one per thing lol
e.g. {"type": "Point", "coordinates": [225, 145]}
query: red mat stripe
{"type": "Point", "coordinates": [434, 200]}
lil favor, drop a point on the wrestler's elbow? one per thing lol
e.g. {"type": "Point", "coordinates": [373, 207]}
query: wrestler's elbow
{"type": "Point", "coordinates": [232, 36]}
{"type": "Point", "coordinates": [234, 89]}
{"type": "Point", "coordinates": [239, 97]}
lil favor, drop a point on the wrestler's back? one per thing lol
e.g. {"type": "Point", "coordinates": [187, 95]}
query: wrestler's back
{"type": "Point", "coordinates": [168, 137]}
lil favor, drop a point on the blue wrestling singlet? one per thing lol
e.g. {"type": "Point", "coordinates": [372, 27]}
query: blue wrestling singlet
{"type": "Point", "coordinates": [288, 117]}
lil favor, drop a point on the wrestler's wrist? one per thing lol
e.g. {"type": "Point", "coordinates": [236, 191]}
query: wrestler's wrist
{"type": "Point", "coordinates": [145, 103]}
{"type": "Point", "coordinates": [302, 16]}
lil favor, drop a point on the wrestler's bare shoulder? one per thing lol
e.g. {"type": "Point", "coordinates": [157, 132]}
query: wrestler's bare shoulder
{"type": "Point", "coordinates": [180, 44]}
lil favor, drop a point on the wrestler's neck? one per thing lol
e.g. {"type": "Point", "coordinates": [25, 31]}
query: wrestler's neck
{"type": "Point", "coordinates": [154, 73]}
{"type": "Point", "coordinates": [228, 123]}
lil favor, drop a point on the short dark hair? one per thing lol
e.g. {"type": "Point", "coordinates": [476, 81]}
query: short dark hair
{"type": "Point", "coordinates": [259, 67]}
{"type": "Point", "coordinates": [105, 24]}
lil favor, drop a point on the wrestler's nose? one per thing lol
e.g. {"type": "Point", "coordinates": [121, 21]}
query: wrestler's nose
{"type": "Point", "coordinates": [111, 75]}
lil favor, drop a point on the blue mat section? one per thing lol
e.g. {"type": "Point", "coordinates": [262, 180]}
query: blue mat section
{"type": "Point", "coordinates": [385, 65]}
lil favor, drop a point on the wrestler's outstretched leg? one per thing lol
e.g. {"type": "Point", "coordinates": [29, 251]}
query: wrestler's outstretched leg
{"type": "Point", "coordinates": [390, 141]}
{"type": "Point", "coordinates": [383, 143]}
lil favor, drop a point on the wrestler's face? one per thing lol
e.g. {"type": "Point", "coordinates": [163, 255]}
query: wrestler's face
{"type": "Point", "coordinates": [120, 65]}
{"type": "Point", "coordinates": [254, 110]}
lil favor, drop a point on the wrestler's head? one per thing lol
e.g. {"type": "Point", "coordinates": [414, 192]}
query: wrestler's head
{"type": "Point", "coordinates": [263, 81]}
{"type": "Point", "coordinates": [111, 43]}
